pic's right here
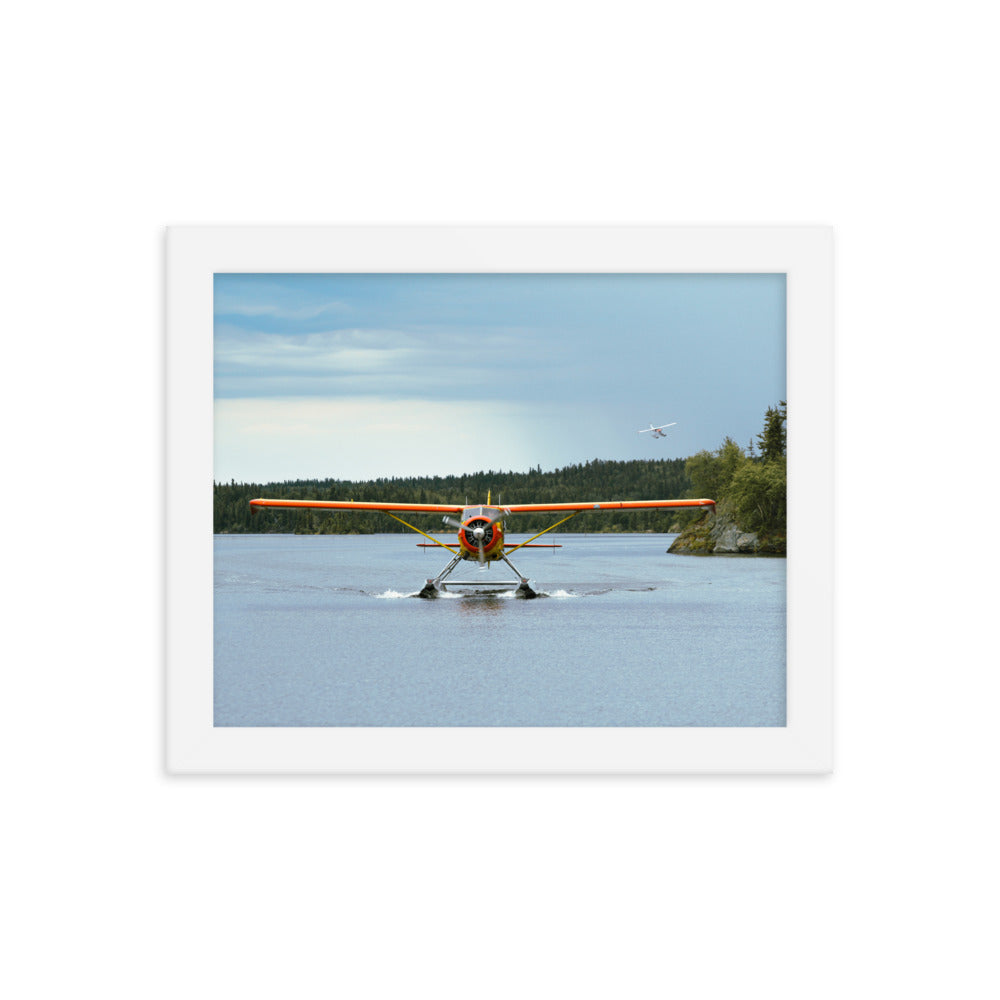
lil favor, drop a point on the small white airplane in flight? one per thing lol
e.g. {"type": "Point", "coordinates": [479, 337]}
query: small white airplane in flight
{"type": "Point", "coordinates": [658, 431]}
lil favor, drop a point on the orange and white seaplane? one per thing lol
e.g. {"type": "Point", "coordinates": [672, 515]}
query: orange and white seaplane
{"type": "Point", "coordinates": [480, 530]}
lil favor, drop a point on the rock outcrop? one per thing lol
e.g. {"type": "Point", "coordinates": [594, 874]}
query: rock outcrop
{"type": "Point", "coordinates": [719, 534]}
{"type": "Point", "coordinates": [730, 540]}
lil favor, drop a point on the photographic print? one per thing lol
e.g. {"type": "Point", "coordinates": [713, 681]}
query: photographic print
{"type": "Point", "coordinates": [499, 502]}
{"type": "Point", "coordinates": [479, 440]}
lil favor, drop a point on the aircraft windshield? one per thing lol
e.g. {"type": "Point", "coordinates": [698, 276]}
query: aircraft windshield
{"type": "Point", "coordinates": [487, 512]}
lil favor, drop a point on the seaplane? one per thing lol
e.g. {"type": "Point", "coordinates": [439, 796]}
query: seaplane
{"type": "Point", "coordinates": [480, 531]}
{"type": "Point", "coordinates": [657, 432]}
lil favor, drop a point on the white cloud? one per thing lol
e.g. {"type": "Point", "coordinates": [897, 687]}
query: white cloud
{"type": "Point", "coordinates": [336, 352]}
{"type": "Point", "coordinates": [429, 364]}
{"type": "Point", "coordinates": [280, 312]}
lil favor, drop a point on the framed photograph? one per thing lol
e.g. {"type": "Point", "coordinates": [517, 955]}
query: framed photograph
{"type": "Point", "coordinates": [520, 500]}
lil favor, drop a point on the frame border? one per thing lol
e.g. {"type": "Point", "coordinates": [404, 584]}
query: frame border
{"type": "Point", "coordinates": [196, 253]}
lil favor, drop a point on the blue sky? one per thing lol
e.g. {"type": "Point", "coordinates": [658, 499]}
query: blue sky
{"type": "Point", "coordinates": [352, 376]}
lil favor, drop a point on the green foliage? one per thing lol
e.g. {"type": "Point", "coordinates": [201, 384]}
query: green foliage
{"type": "Point", "coordinates": [711, 472]}
{"type": "Point", "coordinates": [757, 496]}
{"type": "Point", "coordinates": [757, 492]}
{"type": "Point", "coordinates": [702, 472]}
{"type": "Point", "coordinates": [772, 439]}
{"type": "Point", "coordinates": [752, 488]}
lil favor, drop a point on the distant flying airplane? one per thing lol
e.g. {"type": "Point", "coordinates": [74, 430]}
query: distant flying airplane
{"type": "Point", "coordinates": [480, 530]}
{"type": "Point", "coordinates": [658, 431]}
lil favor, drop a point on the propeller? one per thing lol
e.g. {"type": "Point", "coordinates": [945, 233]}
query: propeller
{"type": "Point", "coordinates": [498, 516]}
{"type": "Point", "coordinates": [475, 535]}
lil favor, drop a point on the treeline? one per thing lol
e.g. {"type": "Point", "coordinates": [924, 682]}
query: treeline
{"type": "Point", "coordinates": [749, 486]}
{"type": "Point", "coordinates": [662, 479]}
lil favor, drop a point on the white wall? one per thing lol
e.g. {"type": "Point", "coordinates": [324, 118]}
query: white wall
{"type": "Point", "coordinates": [875, 118]}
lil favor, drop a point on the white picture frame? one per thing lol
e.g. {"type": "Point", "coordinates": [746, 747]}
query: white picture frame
{"type": "Point", "coordinates": [196, 253]}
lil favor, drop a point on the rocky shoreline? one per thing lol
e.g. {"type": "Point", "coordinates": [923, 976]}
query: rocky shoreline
{"type": "Point", "coordinates": [719, 534]}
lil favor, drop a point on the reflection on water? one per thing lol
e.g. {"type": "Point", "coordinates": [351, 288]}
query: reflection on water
{"type": "Point", "coordinates": [482, 603]}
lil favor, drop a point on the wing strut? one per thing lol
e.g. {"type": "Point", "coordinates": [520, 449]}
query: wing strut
{"type": "Point", "coordinates": [540, 533]}
{"type": "Point", "coordinates": [419, 532]}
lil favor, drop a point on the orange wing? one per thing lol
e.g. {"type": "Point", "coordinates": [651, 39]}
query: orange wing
{"type": "Point", "coordinates": [416, 508]}
{"type": "Point", "coordinates": [445, 508]}
{"type": "Point", "coordinates": [530, 508]}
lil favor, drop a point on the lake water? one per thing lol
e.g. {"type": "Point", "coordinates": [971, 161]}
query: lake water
{"type": "Point", "coordinates": [322, 630]}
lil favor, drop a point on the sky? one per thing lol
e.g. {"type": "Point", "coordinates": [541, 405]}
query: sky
{"type": "Point", "coordinates": [362, 376]}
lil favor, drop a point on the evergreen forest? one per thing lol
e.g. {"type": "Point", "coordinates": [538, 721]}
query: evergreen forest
{"type": "Point", "coordinates": [749, 486]}
{"type": "Point", "coordinates": [596, 480]}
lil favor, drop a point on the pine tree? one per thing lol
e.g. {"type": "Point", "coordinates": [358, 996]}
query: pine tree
{"type": "Point", "coordinates": [772, 439]}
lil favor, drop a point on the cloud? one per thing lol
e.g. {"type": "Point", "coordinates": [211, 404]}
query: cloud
{"type": "Point", "coordinates": [335, 352]}
{"type": "Point", "coordinates": [281, 312]}
{"type": "Point", "coordinates": [426, 363]}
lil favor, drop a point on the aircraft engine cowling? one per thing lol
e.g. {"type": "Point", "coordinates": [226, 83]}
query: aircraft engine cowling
{"type": "Point", "coordinates": [476, 532]}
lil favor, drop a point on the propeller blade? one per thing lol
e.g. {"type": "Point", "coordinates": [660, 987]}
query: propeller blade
{"type": "Point", "coordinates": [482, 558]}
{"type": "Point", "coordinates": [451, 522]}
